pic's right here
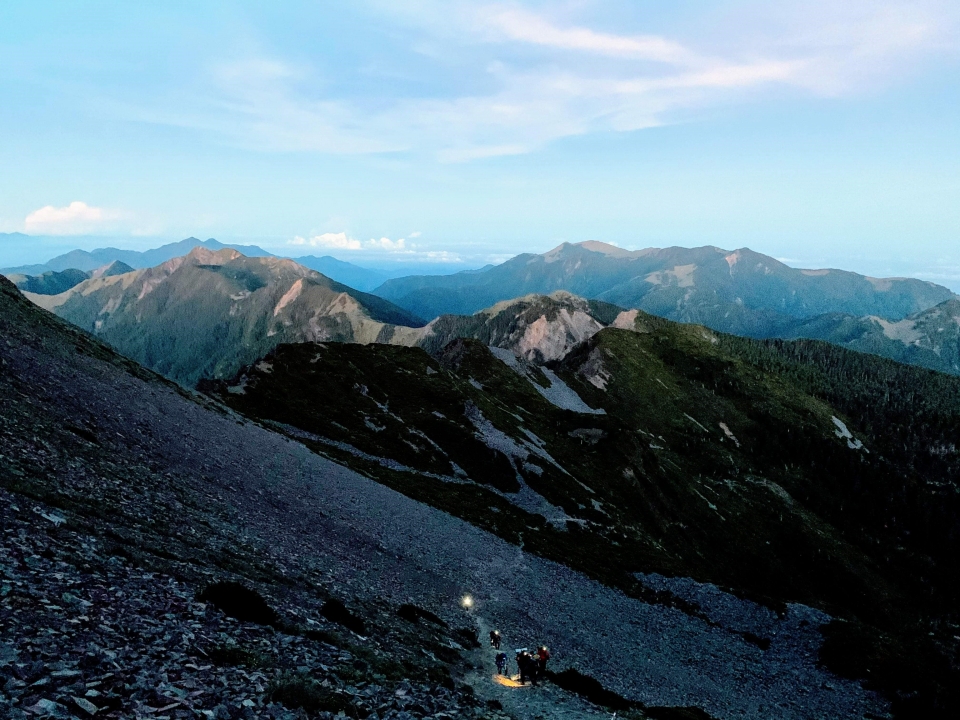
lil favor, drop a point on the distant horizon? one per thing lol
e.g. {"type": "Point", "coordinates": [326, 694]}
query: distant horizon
{"type": "Point", "coordinates": [947, 275]}
{"type": "Point", "coordinates": [458, 133]}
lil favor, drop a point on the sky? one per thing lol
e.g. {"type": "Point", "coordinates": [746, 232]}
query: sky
{"type": "Point", "coordinates": [821, 132]}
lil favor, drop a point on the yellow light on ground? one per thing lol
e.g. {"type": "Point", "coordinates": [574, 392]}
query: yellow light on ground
{"type": "Point", "coordinates": [507, 681]}
{"type": "Point", "coordinates": [467, 602]}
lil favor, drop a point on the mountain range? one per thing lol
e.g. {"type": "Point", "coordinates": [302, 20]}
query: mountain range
{"type": "Point", "coordinates": [929, 338]}
{"type": "Point", "coordinates": [152, 328]}
{"type": "Point", "coordinates": [740, 292]}
{"type": "Point", "coordinates": [54, 282]}
{"type": "Point", "coordinates": [88, 261]}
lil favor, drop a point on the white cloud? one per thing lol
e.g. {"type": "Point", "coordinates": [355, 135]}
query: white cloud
{"type": "Point", "coordinates": [332, 241]}
{"type": "Point", "coordinates": [415, 234]}
{"type": "Point", "coordinates": [387, 244]}
{"type": "Point", "coordinates": [77, 218]}
{"type": "Point", "coordinates": [440, 256]}
{"type": "Point", "coordinates": [397, 250]}
{"type": "Point", "coordinates": [342, 241]}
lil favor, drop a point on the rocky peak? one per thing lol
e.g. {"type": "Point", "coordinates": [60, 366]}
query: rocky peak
{"type": "Point", "coordinates": [110, 269]}
{"type": "Point", "coordinates": [203, 256]}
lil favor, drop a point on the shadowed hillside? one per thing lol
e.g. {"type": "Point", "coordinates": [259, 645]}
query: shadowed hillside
{"type": "Point", "coordinates": [930, 338]}
{"type": "Point", "coordinates": [169, 555]}
{"type": "Point", "coordinates": [128, 495]}
{"type": "Point", "coordinates": [717, 458]}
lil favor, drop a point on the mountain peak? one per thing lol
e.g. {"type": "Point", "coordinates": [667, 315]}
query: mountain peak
{"type": "Point", "coordinates": [116, 267]}
{"type": "Point", "coordinates": [590, 245]}
{"type": "Point", "coordinates": [203, 256]}
{"type": "Point", "coordinates": [605, 248]}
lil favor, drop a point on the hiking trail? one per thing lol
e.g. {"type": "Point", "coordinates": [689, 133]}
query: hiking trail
{"type": "Point", "coordinates": [524, 702]}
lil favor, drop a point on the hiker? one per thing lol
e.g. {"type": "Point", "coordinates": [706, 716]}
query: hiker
{"type": "Point", "coordinates": [543, 654]}
{"type": "Point", "coordinates": [495, 639]}
{"type": "Point", "coordinates": [522, 664]}
{"type": "Point", "coordinates": [527, 666]}
{"type": "Point", "coordinates": [501, 663]}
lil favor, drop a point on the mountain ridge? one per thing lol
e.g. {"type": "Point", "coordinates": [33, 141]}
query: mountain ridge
{"type": "Point", "coordinates": [88, 260]}
{"type": "Point", "coordinates": [733, 291]}
{"type": "Point", "coordinates": [204, 313]}
{"type": "Point", "coordinates": [929, 338]}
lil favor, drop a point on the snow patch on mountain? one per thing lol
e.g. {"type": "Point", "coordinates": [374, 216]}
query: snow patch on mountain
{"type": "Point", "coordinates": [844, 433]}
{"type": "Point", "coordinates": [563, 396]}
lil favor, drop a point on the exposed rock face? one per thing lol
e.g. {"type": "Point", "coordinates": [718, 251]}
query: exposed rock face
{"type": "Point", "coordinates": [537, 328]}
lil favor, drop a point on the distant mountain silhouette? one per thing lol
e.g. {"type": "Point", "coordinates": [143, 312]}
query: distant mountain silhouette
{"type": "Point", "coordinates": [88, 260]}
{"type": "Point", "coordinates": [344, 272]}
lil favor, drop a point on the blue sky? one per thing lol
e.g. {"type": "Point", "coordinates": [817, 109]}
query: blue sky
{"type": "Point", "coordinates": [457, 133]}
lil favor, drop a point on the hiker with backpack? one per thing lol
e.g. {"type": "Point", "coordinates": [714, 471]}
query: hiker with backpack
{"type": "Point", "coordinates": [501, 663]}
{"type": "Point", "coordinates": [543, 654]}
{"type": "Point", "coordinates": [521, 660]}
{"type": "Point", "coordinates": [495, 639]}
{"type": "Point", "coordinates": [527, 665]}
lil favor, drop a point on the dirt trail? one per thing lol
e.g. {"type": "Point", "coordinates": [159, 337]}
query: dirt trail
{"type": "Point", "coordinates": [524, 702]}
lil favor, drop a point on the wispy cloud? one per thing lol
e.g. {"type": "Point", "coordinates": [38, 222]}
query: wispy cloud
{"type": "Point", "coordinates": [581, 79]}
{"type": "Point", "coordinates": [525, 26]}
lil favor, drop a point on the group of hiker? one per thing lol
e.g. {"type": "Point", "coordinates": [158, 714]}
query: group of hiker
{"type": "Point", "coordinates": [531, 664]}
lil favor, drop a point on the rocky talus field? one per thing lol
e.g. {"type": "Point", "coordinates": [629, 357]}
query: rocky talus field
{"type": "Point", "coordinates": [164, 556]}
